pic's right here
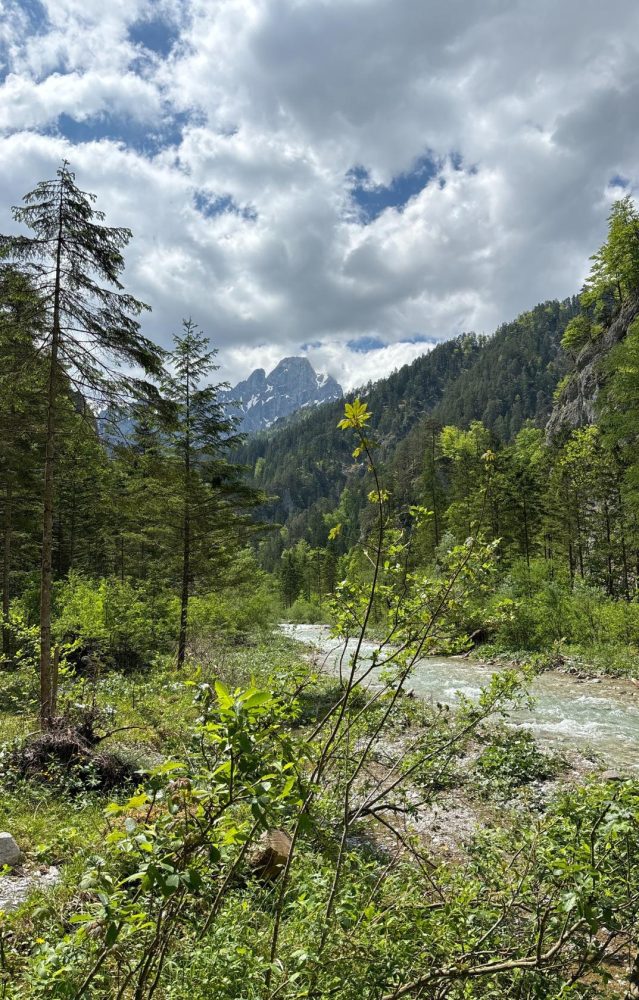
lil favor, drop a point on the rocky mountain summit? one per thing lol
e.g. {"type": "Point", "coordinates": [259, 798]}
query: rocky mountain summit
{"type": "Point", "coordinates": [293, 385]}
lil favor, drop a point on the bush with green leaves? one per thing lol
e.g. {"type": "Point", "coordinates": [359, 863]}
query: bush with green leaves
{"type": "Point", "coordinates": [230, 616]}
{"type": "Point", "coordinates": [512, 758]}
{"type": "Point", "coordinates": [113, 622]}
{"type": "Point", "coordinates": [535, 608]}
{"type": "Point", "coordinates": [175, 849]}
{"type": "Point", "coordinates": [306, 612]}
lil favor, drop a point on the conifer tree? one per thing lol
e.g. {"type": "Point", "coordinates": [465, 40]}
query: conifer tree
{"type": "Point", "coordinates": [208, 488]}
{"type": "Point", "coordinates": [22, 381]}
{"type": "Point", "coordinates": [74, 263]}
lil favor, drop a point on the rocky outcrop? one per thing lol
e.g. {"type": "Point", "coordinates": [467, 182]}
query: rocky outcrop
{"type": "Point", "coordinates": [292, 385]}
{"type": "Point", "coordinates": [577, 404]}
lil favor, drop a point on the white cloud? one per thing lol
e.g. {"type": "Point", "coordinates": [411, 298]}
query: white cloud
{"type": "Point", "coordinates": [26, 104]}
{"type": "Point", "coordinates": [354, 369]}
{"type": "Point", "coordinates": [540, 102]}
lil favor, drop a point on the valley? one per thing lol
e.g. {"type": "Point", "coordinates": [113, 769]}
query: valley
{"type": "Point", "coordinates": [423, 784]}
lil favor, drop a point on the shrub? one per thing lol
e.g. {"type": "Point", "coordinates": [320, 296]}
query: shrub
{"type": "Point", "coordinates": [231, 614]}
{"type": "Point", "coordinates": [512, 758]}
{"type": "Point", "coordinates": [112, 622]}
{"type": "Point", "coordinates": [307, 612]}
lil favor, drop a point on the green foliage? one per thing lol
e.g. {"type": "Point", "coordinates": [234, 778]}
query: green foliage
{"type": "Point", "coordinates": [511, 758]}
{"type": "Point", "coordinates": [619, 407]}
{"type": "Point", "coordinates": [114, 622]}
{"type": "Point", "coordinates": [615, 267]}
{"type": "Point", "coordinates": [232, 614]}
{"type": "Point", "coordinates": [303, 610]}
{"type": "Point", "coordinates": [169, 888]}
{"type": "Point", "coordinates": [169, 844]}
{"type": "Point", "coordinates": [537, 609]}
{"type": "Point", "coordinates": [578, 333]}
{"type": "Point", "coordinates": [356, 416]}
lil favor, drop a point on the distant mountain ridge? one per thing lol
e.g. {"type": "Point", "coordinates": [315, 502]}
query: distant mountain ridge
{"type": "Point", "coordinates": [293, 385]}
{"type": "Point", "coordinates": [503, 380]}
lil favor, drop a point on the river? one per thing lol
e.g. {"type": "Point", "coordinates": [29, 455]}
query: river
{"type": "Point", "coordinates": [598, 715]}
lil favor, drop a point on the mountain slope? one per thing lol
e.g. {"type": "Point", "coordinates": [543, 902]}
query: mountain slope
{"type": "Point", "coordinates": [293, 385]}
{"type": "Point", "coordinates": [515, 375]}
{"type": "Point", "coordinates": [502, 380]}
{"type": "Point", "coordinates": [577, 402]}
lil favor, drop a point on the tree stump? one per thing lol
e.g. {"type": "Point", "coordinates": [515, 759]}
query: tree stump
{"type": "Point", "coordinates": [270, 855]}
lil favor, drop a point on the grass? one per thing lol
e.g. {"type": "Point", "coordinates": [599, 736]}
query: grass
{"type": "Point", "coordinates": [610, 659]}
{"type": "Point", "coordinates": [150, 715]}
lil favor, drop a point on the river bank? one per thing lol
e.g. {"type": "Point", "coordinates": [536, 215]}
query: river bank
{"type": "Point", "coordinates": [436, 792]}
{"type": "Point", "coordinates": [597, 716]}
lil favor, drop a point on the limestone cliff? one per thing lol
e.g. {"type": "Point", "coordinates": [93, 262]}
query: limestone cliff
{"type": "Point", "coordinates": [577, 404]}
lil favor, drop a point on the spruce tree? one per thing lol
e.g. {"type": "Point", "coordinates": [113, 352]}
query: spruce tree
{"type": "Point", "coordinates": [22, 382]}
{"type": "Point", "coordinates": [208, 488]}
{"type": "Point", "coordinates": [74, 263]}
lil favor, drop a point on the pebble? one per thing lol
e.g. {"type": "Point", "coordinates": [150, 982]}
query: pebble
{"type": "Point", "coordinates": [14, 889]}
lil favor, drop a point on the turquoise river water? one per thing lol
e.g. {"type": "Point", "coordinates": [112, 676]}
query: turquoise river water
{"type": "Point", "coordinates": [599, 715]}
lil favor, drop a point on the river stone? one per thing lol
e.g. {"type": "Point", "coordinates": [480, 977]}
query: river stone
{"type": "Point", "coordinates": [10, 853]}
{"type": "Point", "coordinates": [612, 776]}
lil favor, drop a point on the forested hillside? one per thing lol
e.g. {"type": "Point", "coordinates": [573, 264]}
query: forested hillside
{"type": "Point", "coordinates": [502, 381]}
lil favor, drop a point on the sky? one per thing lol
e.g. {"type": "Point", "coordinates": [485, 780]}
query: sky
{"type": "Point", "coordinates": [349, 180]}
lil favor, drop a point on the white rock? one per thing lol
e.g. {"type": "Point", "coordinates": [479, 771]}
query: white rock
{"type": "Point", "coordinates": [10, 853]}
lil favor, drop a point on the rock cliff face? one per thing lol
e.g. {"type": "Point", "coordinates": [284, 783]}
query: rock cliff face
{"type": "Point", "coordinates": [576, 406]}
{"type": "Point", "coordinates": [292, 385]}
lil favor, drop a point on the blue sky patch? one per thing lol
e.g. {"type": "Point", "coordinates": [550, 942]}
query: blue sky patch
{"type": "Point", "coordinates": [36, 15]}
{"type": "Point", "coordinates": [372, 199]}
{"type": "Point", "coordinates": [209, 205]}
{"type": "Point", "coordinates": [618, 181]}
{"type": "Point", "coordinates": [365, 344]}
{"type": "Point", "coordinates": [417, 338]}
{"type": "Point", "coordinates": [134, 134]}
{"type": "Point", "coordinates": [155, 35]}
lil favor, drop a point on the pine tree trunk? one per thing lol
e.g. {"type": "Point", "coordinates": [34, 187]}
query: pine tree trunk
{"type": "Point", "coordinates": [184, 597]}
{"type": "Point", "coordinates": [46, 579]}
{"type": "Point", "coordinates": [47, 694]}
{"type": "Point", "coordinates": [6, 573]}
{"type": "Point", "coordinates": [186, 541]}
{"type": "Point", "coordinates": [526, 537]}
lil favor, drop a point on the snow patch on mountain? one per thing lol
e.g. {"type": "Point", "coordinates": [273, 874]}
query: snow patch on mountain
{"type": "Point", "coordinates": [293, 384]}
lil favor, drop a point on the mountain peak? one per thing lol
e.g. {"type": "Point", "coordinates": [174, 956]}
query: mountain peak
{"type": "Point", "coordinates": [292, 385]}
